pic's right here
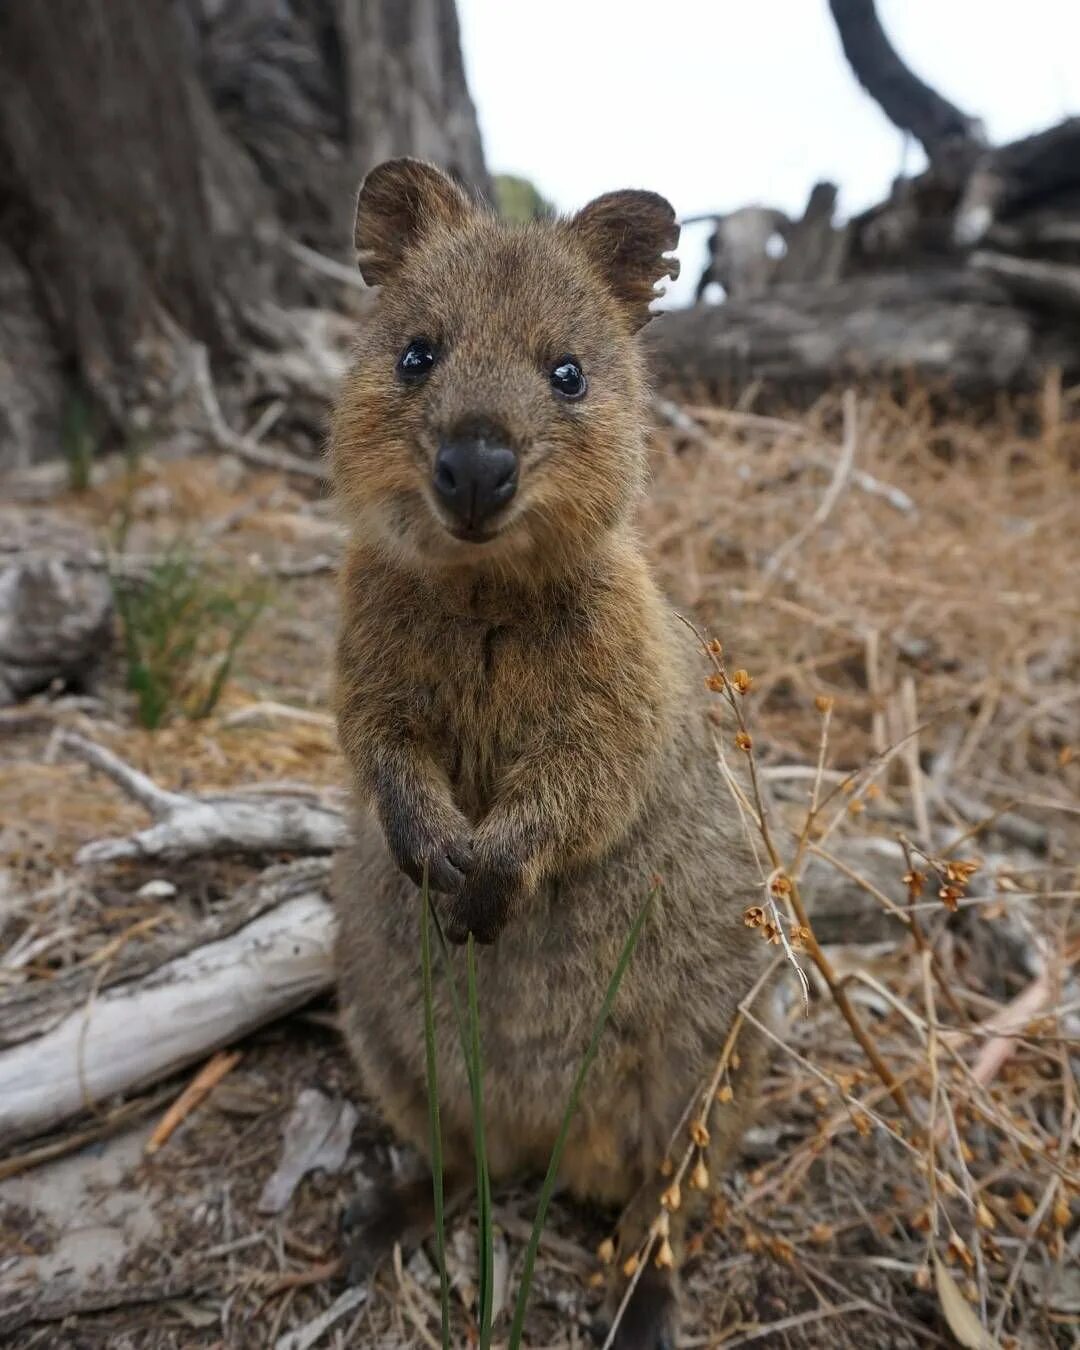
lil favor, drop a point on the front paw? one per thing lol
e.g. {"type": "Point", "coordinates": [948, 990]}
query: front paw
{"type": "Point", "coordinates": [445, 850]}
{"type": "Point", "coordinates": [486, 901]}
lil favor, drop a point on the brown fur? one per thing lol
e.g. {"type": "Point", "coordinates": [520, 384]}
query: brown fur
{"type": "Point", "coordinates": [525, 716]}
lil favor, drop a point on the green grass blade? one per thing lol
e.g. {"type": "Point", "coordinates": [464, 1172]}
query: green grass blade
{"type": "Point", "coordinates": [483, 1176]}
{"type": "Point", "coordinates": [470, 1049]}
{"type": "Point", "coordinates": [548, 1187]}
{"type": "Point", "coordinates": [433, 1109]}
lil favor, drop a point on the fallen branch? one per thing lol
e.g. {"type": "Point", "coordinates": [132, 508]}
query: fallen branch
{"type": "Point", "coordinates": [188, 826]}
{"type": "Point", "coordinates": [41, 1306]}
{"type": "Point", "coordinates": [137, 1033]}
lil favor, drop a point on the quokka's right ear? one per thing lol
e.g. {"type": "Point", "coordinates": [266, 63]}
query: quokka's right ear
{"type": "Point", "coordinates": [400, 202]}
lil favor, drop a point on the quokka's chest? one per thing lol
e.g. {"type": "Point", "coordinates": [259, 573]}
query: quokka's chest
{"type": "Point", "coordinates": [488, 695]}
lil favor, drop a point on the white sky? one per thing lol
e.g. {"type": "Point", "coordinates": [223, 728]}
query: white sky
{"type": "Point", "coordinates": [721, 103]}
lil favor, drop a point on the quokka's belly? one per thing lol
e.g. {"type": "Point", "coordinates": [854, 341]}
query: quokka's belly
{"type": "Point", "coordinates": [540, 989]}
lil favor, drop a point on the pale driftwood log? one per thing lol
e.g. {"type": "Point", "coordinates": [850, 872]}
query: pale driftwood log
{"type": "Point", "coordinates": [136, 1033]}
{"type": "Point", "coordinates": [188, 826]}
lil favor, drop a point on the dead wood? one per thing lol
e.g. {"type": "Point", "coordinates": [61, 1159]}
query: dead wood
{"type": "Point", "coordinates": [945, 325]}
{"type": "Point", "coordinates": [49, 1307]}
{"type": "Point", "coordinates": [907, 101]}
{"type": "Point", "coordinates": [139, 1032]}
{"type": "Point", "coordinates": [1053, 284]}
{"type": "Point", "coordinates": [189, 826]}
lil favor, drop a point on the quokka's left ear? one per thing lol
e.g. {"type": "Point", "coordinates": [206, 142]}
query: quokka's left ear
{"type": "Point", "coordinates": [627, 235]}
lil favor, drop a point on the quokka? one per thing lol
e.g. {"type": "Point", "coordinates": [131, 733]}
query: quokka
{"type": "Point", "coordinates": [524, 715]}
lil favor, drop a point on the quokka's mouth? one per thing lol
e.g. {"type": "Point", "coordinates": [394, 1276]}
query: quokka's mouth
{"type": "Point", "coordinates": [472, 536]}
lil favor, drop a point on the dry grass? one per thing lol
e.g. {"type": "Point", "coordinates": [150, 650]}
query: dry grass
{"type": "Point", "coordinates": [944, 643]}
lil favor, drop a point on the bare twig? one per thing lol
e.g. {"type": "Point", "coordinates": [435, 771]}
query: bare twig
{"type": "Point", "coordinates": [245, 447]}
{"type": "Point", "coordinates": [841, 473]}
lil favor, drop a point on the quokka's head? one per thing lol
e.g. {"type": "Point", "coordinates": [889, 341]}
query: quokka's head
{"type": "Point", "coordinates": [494, 413]}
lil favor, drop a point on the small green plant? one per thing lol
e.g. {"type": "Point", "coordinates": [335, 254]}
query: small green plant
{"type": "Point", "coordinates": [469, 1033]}
{"type": "Point", "coordinates": [519, 200]}
{"type": "Point", "coordinates": [80, 440]}
{"type": "Point", "coordinates": [182, 627]}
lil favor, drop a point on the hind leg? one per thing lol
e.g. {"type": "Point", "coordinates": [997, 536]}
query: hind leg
{"type": "Point", "coordinates": [650, 1319]}
{"type": "Point", "coordinates": [375, 1221]}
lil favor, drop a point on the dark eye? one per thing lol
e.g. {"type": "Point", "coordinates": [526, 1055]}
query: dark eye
{"type": "Point", "coordinates": [416, 360]}
{"type": "Point", "coordinates": [568, 379]}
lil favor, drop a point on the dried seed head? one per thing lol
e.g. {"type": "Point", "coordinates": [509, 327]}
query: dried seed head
{"type": "Point", "coordinates": [782, 1249]}
{"type": "Point", "coordinates": [725, 1093]}
{"type": "Point", "coordinates": [800, 935]}
{"type": "Point", "coordinates": [770, 932]}
{"type": "Point", "coordinates": [824, 704]}
{"type": "Point", "coordinates": [754, 917]}
{"type": "Point", "coordinates": [665, 1257]}
{"type": "Point", "coordinates": [661, 1225]}
{"type": "Point", "coordinates": [596, 1279]}
{"type": "Point", "coordinates": [699, 1134]}
{"type": "Point", "coordinates": [699, 1176]}
{"type": "Point", "coordinates": [666, 1167]}
{"type": "Point", "coordinates": [606, 1251]}
{"type": "Point", "coordinates": [914, 881]}
{"type": "Point", "coordinates": [950, 896]}
{"type": "Point", "coordinates": [856, 806]}
{"type": "Point", "coordinates": [672, 1197]}
{"type": "Point", "coordinates": [984, 1216]}
{"type": "Point", "coordinates": [715, 682]}
{"type": "Point", "coordinates": [742, 680]}
{"type": "Point", "coordinates": [960, 871]}
{"type": "Point", "coordinates": [715, 647]}
{"type": "Point", "coordinates": [861, 1121]}
{"type": "Point", "coordinates": [780, 885]}
{"type": "Point", "coordinates": [630, 1265]}
{"type": "Point", "coordinates": [743, 741]}
{"type": "Point", "coordinates": [735, 1061]}
{"type": "Point", "coordinates": [958, 1248]}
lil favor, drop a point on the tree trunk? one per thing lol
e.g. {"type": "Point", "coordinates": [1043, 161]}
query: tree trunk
{"type": "Point", "coordinates": [124, 203]}
{"type": "Point", "coordinates": [156, 154]}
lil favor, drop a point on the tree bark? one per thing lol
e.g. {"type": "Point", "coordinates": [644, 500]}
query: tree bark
{"type": "Point", "coordinates": [155, 157]}
{"type": "Point", "coordinates": [127, 207]}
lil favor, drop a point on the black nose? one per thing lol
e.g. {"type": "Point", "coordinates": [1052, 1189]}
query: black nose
{"type": "Point", "coordinates": [473, 479]}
